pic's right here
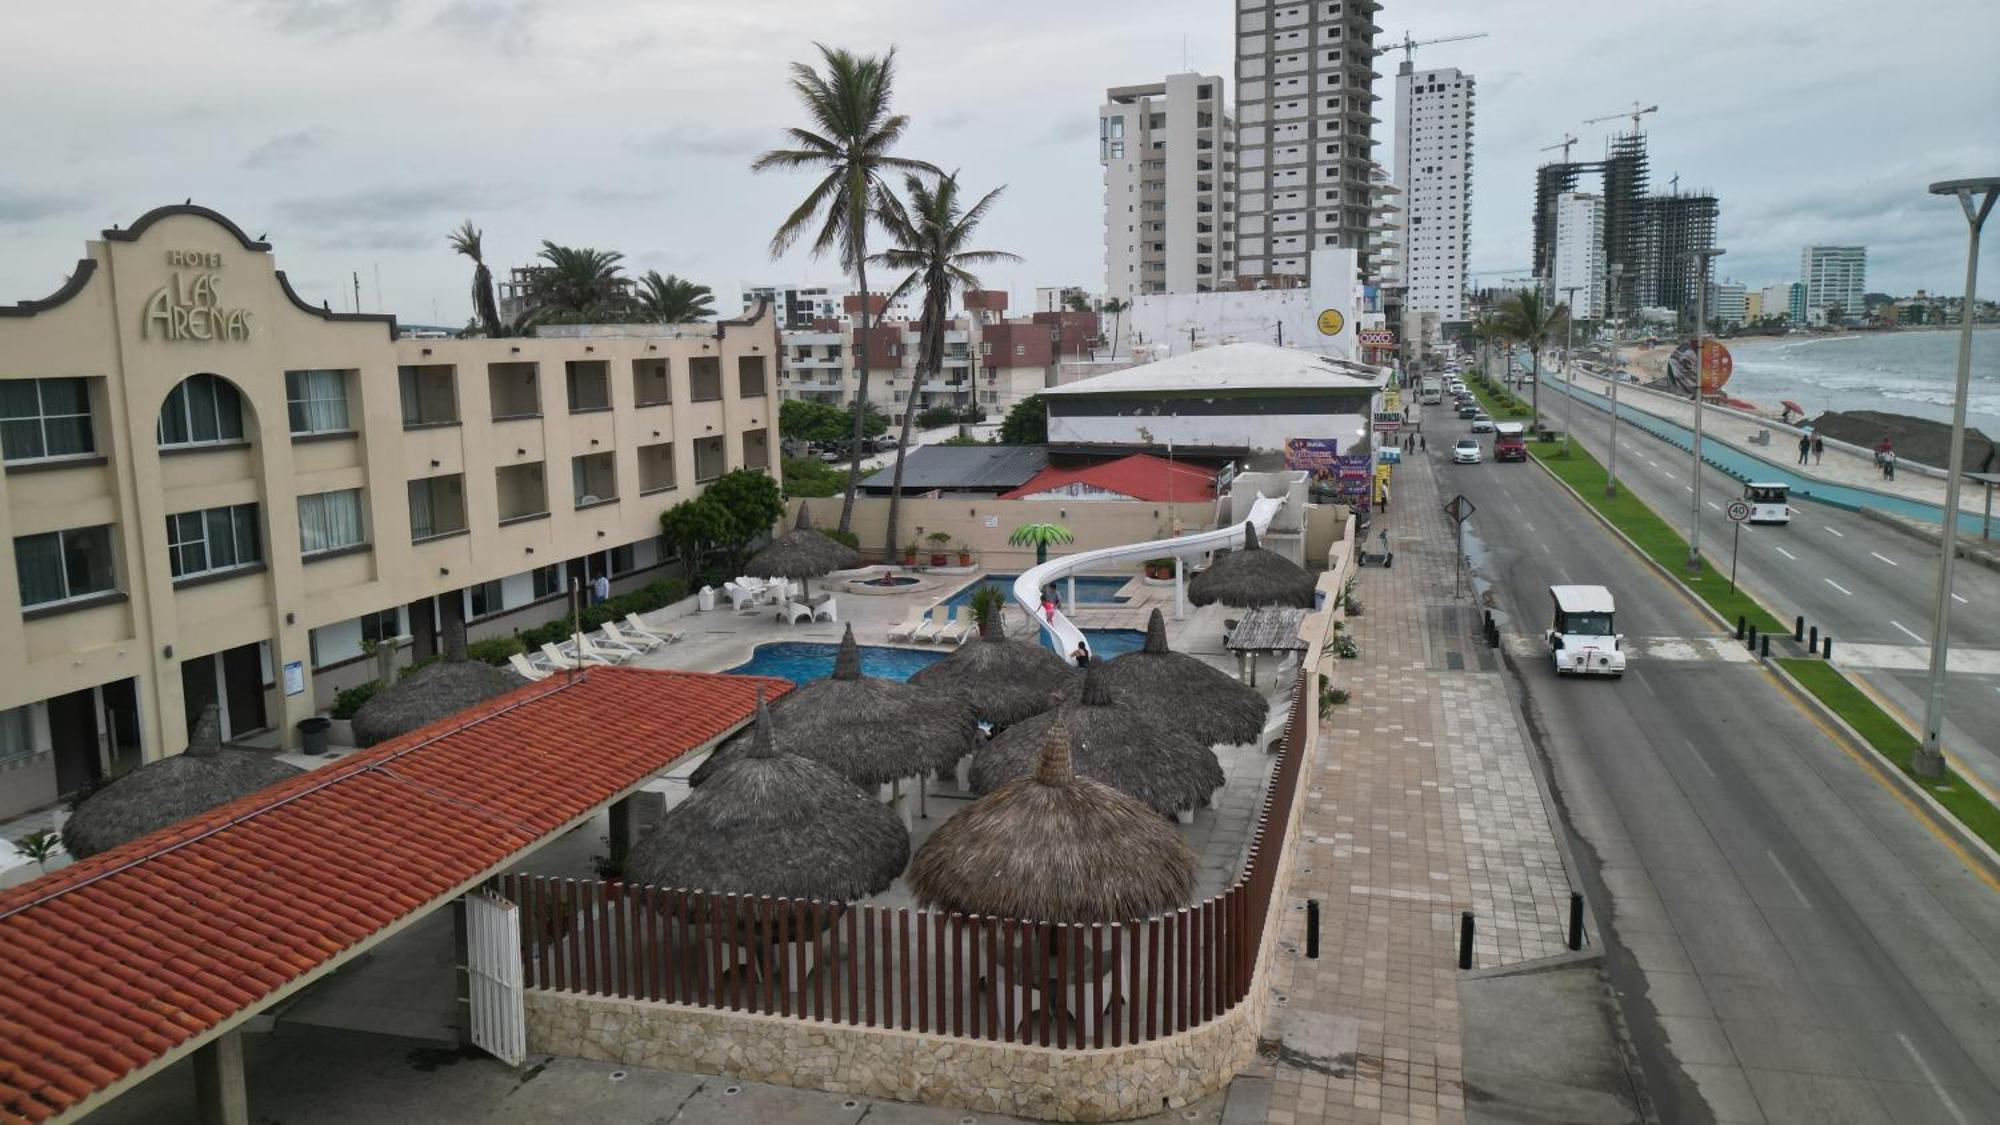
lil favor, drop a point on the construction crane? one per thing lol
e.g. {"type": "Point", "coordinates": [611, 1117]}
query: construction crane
{"type": "Point", "coordinates": [1635, 113]}
{"type": "Point", "coordinates": [1563, 144]}
{"type": "Point", "coordinates": [1409, 46]}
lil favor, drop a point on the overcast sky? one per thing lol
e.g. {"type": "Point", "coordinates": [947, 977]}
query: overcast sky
{"type": "Point", "coordinates": [357, 133]}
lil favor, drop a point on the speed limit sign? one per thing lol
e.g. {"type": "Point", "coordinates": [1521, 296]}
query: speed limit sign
{"type": "Point", "coordinates": [1739, 511]}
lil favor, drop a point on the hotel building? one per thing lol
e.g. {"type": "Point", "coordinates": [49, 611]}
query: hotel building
{"type": "Point", "coordinates": [1434, 170]}
{"type": "Point", "coordinates": [216, 492]}
{"type": "Point", "coordinates": [1168, 151]}
{"type": "Point", "coordinates": [1836, 278]}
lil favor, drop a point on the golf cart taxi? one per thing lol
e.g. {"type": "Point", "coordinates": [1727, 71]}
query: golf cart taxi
{"type": "Point", "coordinates": [1584, 640]}
{"type": "Point", "coordinates": [1769, 503]}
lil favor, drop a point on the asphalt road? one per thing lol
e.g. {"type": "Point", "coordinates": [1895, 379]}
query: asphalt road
{"type": "Point", "coordinates": [1863, 583]}
{"type": "Point", "coordinates": [1790, 941]}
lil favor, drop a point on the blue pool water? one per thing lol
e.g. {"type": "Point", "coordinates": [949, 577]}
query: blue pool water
{"type": "Point", "coordinates": [1107, 643]}
{"type": "Point", "coordinates": [799, 661]}
{"type": "Point", "coordinates": [1091, 589]}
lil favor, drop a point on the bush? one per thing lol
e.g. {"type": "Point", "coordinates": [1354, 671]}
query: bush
{"type": "Point", "coordinates": [809, 476]}
{"type": "Point", "coordinates": [346, 703]}
{"type": "Point", "coordinates": [495, 650]}
{"type": "Point", "coordinates": [652, 596]}
{"type": "Point", "coordinates": [839, 536]}
{"type": "Point", "coordinates": [937, 416]}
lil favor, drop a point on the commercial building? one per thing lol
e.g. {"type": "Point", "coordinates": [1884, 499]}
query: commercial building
{"type": "Point", "coordinates": [1304, 132]}
{"type": "Point", "coordinates": [1322, 316]}
{"type": "Point", "coordinates": [1168, 151]}
{"type": "Point", "coordinates": [216, 493]}
{"type": "Point", "coordinates": [1836, 279]}
{"type": "Point", "coordinates": [1579, 254]}
{"type": "Point", "coordinates": [1434, 168]}
{"type": "Point", "coordinates": [1728, 304]}
{"type": "Point", "coordinates": [1786, 299]}
{"type": "Point", "coordinates": [797, 306]}
{"type": "Point", "coordinates": [1753, 306]}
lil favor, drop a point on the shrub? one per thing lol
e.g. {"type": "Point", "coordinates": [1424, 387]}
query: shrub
{"type": "Point", "coordinates": [839, 536]}
{"type": "Point", "coordinates": [495, 650]}
{"type": "Point", "coordinates": [1345, 648]}
{"type": "Point", "coordinates": [346, 703]}
{"type": "Point", "coordinates": [937, 416]}
{"type": "Point", "coordinates": [652, 596]}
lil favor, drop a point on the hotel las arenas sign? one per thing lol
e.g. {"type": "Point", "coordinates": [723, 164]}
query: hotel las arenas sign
{"type": "Point", "coordinates": [189, 306]}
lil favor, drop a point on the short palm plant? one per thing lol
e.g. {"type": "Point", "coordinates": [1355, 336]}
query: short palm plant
{"type": "Point", "coordinates": [1039, 536]}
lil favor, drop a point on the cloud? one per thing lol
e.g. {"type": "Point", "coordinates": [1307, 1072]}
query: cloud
{"type": "Point", "coordinates": [506, 24]}
{"type": "Point", "coordinates": [281, 150]}
{"type": "Point", "coordinates": [326, 19]}
{"type": "Point", "coordinates": [405, 217]}
{"type": "Point", "coordinates": [33, 207]}
{"type": "Point", "coordinates": [1067, 130]}
{"type": "Point", "coordinates": [704, 141]}
{"type": "Point", "coordinates": [595, 196]}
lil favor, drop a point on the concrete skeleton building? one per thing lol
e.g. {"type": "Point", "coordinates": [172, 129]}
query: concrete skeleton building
{"type": "Point", "coordinates": [1168, 151]}
{"type": "Point", "coordinates": [1434, 111]}
{"type": "Point", "coordinates": [216, 492]}
{"type": "Point", "coordinates": [1579, 254]}
{"type": "Point", "coordinates": [1304, 132]}
{"type": "Point", "coordinates": [1835, 278]}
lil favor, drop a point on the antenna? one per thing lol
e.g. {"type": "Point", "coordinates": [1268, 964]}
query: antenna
{"type": "Point", "coordinates": [1563, 144]}
{"type": "Point", "coordinates": [1635, 113]}
{"type": "Point", "coordinates": [1674, 184]}
{"type": "Point", "coordinates": [1409, 46]}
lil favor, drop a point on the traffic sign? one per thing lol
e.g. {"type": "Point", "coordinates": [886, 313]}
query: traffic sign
{"type": "Point", "coordinates": [1739, 511]}
{"type": "Point", "coordinates": [1459, 509]}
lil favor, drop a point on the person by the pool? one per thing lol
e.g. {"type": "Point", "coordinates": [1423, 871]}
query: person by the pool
{"type": "Point", "coordinates": [1049, 605]}
{"type": "Point", "coordinates": [1081, 657]}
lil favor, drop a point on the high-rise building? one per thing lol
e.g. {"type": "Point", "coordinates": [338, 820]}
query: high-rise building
{"type": "Point", "coordinates": [1753, 306]}
{"type": "Point", "coordinates": [1778, 300]}
{"type": "Point", "coordinates": [797, 306]}
{"type": "Point", "coordinates": [1680, 226]}
{"type": "Point", "coordinates": [1434, 168]}
{"type": "Point", "coordinates": [1386, 233]}
{"type": "Point", "coordinates": [1835, 278]}
{"type": "Point", "coordinates": [1578, 263]}
{"type": "Point", "coordinates": [1168, 150]}
{"type": "Point", "coordinates": [1304, 131]}
{"type": "Point", "coordinates": [1728, 304]}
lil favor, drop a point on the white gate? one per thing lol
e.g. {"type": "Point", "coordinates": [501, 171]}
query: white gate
{"type": "Point", "coordinates": [493, 969]}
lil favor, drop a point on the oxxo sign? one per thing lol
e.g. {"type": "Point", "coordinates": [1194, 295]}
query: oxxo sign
{"type": "Point", "coordinates": [190, 306]}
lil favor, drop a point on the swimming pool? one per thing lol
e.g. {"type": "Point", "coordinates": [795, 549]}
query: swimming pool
{"type": "Point", "coordinates": [1107, 643]}
{"type": "Point", "coordinates": [1091, 589]}
{"type": "Point", "coordinates": [800, 661]}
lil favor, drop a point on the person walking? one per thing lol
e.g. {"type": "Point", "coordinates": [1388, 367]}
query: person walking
{"type": "Point", "coordinates": [600, 589]}
{"type": "Point", "coordinates": [1818, 448]}
{"type": "Point", "coordinates": [1889, 465]}
{"type": "Point", "coordinates": [1805, 448]}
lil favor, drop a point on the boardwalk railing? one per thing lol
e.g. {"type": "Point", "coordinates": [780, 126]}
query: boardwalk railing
{"type": "Point", "coordinates": [936, 972]}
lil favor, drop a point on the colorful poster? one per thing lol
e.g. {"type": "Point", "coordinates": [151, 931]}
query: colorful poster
{"type": "Point", "coordinates": [1355, 476]}
{"type": "Point", "coordinates": [1312, 455]}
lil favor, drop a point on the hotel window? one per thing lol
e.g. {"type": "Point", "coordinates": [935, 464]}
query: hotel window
{"type": "Point", "coordinates": [378, 628]}
{"type": "Point", "coordinates": [317, 401]}
{"type": "Point", "coordinates": [709, 459]}
{"type": "Point", "coordinates": [589, 385]}
{"type": "Point", "coordinates": [484, 599]}
{"type": "Point", "coordinates": [202, 410]}
{"type": "Point", "coordinates": [750, 376]}
{"type": "Point", "coordinates": [651, 383]}
{"type": "Point", "coordinates": [548, 581]}
{"type": "Point", "coordinates": [329, 521]}
{"type": "Point", "coordinates": [17, 734]}
{"type": "Point", "coordinates": [60, 566]}
{"type": "Point", "coordinates": [623, 560]}
{"type": "Point", "coordinates": [437, 506]}
{"type": "Point", "coordinates": [593, 479]}
{"type": "Point", "coordinates": [514, 390]}
{"type": "Point", "coordinates": [656, 467]}
{"type": "Point", "coordinates": [522, 492]}
{"type": "Point", "coordinates": [213, 540]}
{"type": "Point", "coordinates": [705, 378]}
{"type": "Point", "coordinates": [430, 396]}
{"type": "Point", "coordinates": [45, 419]}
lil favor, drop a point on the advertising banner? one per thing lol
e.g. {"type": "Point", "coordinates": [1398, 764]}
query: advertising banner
{"type": "Point", "coordinates": [1311, 455]}
{"type": "Point", "coordinates": [1355, 480]}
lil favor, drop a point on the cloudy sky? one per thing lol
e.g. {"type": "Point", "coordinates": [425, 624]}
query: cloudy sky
{"type": "Point", "coordinates": [356, 133]}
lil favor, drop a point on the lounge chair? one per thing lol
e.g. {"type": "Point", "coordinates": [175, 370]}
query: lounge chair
{"type": "Point", "coordinates": [563, 661]}
{"type": "Point", "coordinates": [612, 647]}
{"type": "Point", "coordinates": [793, 612]}
{"type": "Point", "coordinates": [906, 629]}
{"type": "Point", "coordinates": [664, 635]}
{"type": "Point", "coordinates": [955, 630]}
{"type": "Point", "coordinates": [637, 642]}
{"type": "Point", "coordinates": [927, 629]}
{"type": "Point", "coordinates": [603, 652]}
{"type": "Point", "coordinates": [527, 669]}
{"type": "Point", "coordinates": [825, 609]}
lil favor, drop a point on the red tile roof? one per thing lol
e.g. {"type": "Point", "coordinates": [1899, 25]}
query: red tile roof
{"type": "Point", "coordinates": [1141, 476]}
{"type": "Point", "coordinates": [112, 963]}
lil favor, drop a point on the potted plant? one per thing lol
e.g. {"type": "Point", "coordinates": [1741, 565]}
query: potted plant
{"type": "Point", "coordinates": [1159, 569]}
{"type": "Point", "coordinates": [964, 553]}
{"type": "Point", "coordinates": [910, 553]}
{"type": "Point", "coordinates": [938, 542]}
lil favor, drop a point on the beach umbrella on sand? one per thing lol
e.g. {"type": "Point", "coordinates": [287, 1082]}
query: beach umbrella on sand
{"type": "Point", "coordinates": [1252, 577]}
{"type": "Point", "coordinates": [163, 792]}
{"type": "Point", "coordinates": [867, 730]}
{"type": "Point", "coordinates": [1132, 749]}
{"type": "Point", "coordinates": [1208, 702]}
{"type": "Point", "coordinates": [802, 553]}
{"type": "Point", "coordinates": [1055, 847]}
{"type": "Point", "coordinates": [1004, 681]}
{"type": "Point", "coordinates": [432, 692]}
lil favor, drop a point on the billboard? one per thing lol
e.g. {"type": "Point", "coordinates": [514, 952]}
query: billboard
{"type": "Point", "coordinates": [1716, 366]}
{"type": "Point", "coordinates": [1312, 455]}
{"type": "Point", "coordinates": [1355, 480]}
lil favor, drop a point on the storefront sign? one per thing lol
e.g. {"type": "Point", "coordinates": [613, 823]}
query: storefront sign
{"type": "Point", "coordinates": [295, 677]}
{"type": "Point", "coordinates": [1314, 456]}
{"type": "Point", "coordinates": [1331, 322]}
{"type": "Point", "coordinates": [190, 306]}
{"type": "Point", "coordinates": [1377, 337]}
{"type": "Point", "coordinates": [1354, 484]}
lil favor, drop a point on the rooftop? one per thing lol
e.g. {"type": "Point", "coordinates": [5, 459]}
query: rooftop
{"type": "Point", "coordinates": [969, 468]}
{"type": "Point", "coordinates": [1140, 476]}
{"type": "Point", "coordinates": [1233, 367]}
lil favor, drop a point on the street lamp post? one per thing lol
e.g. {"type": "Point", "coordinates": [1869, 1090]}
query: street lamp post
{"type": "Point", "coordinates": [1929, 758]}
{"type": "Point", "coordinates": [1569, 364]}
{"type": "Point", "coordinates": [1617, 377]}
{"type": "Point", "coordinates": [1702, 257]}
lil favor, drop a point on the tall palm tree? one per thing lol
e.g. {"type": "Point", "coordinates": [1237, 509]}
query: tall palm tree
{"type": "Point", "coordinates": [849, 141]}
{"type": "Point", "coordinates": [577, 283]}
{"type": "Point", "coordinates": [1531, 320]}
{"type": "Point", "coordinates": [466, 240]}
{"type": "Point", "coordinates": [931, 235]}
{"type": "Point", "coordinates": [673, 299]}
{"type": "Point", "coordinates": [1114, 306]}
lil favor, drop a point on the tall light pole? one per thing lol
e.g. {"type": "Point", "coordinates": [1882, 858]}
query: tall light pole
{"type": "Point", "coordinates": [1702, 258]}
{"type": "Point", "coordinates": [1929, 758]}
{"type": "Point", "coordinates": [1569, 364]}
{"type": "Point", "coordinates": [1617, 377]}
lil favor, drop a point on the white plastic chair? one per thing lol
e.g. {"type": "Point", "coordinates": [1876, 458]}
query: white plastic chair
{"type": "Point", "coordinates": [635, 642]}
{"type": "Point", "coordinates": [927, 631]}
{"type": "Point", "coordinates": [827, 610]}
{"type": "Point", "coordinates": [792, 612]}
{"type": "Point", "coordinates": [562, 661]}
{"type": "Point", "coordinates": [663, 635]}
{"type": "Point", "coordinates": [906, 628]}
{"type": "Point", "coordinates": [527, 670]}
{"type": "Point", "coordinates": [740, 596]}
{"type": "Point", "coordinates": [957, 629]}
{"type": "Point", "coordinates": [603, 652]}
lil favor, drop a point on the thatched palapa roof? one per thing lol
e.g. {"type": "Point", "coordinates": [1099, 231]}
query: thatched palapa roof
{"type": "Point", "coordinates": [1055, 847]}
{"type": "Point", "coordinates": [1005, 681]}
{"type": "Point", "coordinates": [433, 692]}
{"type": "Point", "coordinates": [867, 730]}
{"type": "Point", "coordinates": [770, 823]}
{"type": "Point", "coordinates": [1132, 749]}
{"type": "Point", "coordinates": [1252, 577]}
{"type": "Point", "coordinates": [802, 553]}
{"type": "Point", "coordinates": [1208, 702]}
{"type": "Point", "coordinates": [171, 789]}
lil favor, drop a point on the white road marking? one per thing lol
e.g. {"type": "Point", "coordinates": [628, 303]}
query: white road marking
{"type": "Point", "coordinates": [1688, 487]}
{"type": "Point", "coordinates": [1931, 1077]}
{"type": "Point", "coordinates": [1649, 687]}
{"type": "Point", "coordinates": [1885, 558]}
{"type": "Point", "coordinates": [1713, 504]}
{"type": "Point", "coordinates": [1699, 760]}
{"type": "Point", "coordinates": [1907, 632]}
{"type": "Point", "coordinates": [1839, 587]}
{"type": "Point", "coordinates": [1786, 553]}
{"type": "Point", "coordinates": [1958, 599]}
{"type": "Point", "coordinates": [1789, 881]}
{"type": "Point", "coordinates": [1836, 532]}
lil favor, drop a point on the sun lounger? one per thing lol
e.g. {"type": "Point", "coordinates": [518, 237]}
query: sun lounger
{"type": "Point", "coordinates": [604, 642]}
{"type": "Point", "coordinates": [906, 629]}
{"type": "Point", "coordinates": [793, 612]}
{"type": "Point", "coordinates": [927, 629]}
{"type": "Point", "coordinates": [637, 642]}
{"type": "Point", "coordinates": [824, 608]}
{"type": "Point", "coordinates": [955, 630]}
{"type": "Point", "coordinates": [604, 652]}
{"type": "Point", "coordinates": [527, 670]}
{"type": "Point", "coordinates": [563, 661]}
{"type": "Point", "coordinates": [661, 634]}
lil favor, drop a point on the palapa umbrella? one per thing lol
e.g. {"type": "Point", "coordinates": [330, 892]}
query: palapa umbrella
{"type": "Point", "coordinates": [1252, 577]}
{"type": "Point", "coordinates": [1126, 747]}
{"type": "Point", "coordinates": [1208, 702]}
{"type": "Point", "coordinates": [802, 553]}
{"type": "Point", "coordinates": [1004, 681]}
{"type": "Point", "coordinates": [1055, 847]}
{"type": "Point", "coordinates": [866, 729]}
{"type": "Point", "coordinates": [171, 789]}
{"type": "Point", "coordinates": [433, 692]}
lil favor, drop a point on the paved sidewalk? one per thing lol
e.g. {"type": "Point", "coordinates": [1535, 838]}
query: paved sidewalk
{"type": "Point", "coordinates": [1422, 802]}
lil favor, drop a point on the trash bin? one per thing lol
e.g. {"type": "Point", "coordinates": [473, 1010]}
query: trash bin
{"type": "Point", "coordinates": [312, 733]}
{"type": "Point", "coordinates": [706, 599]}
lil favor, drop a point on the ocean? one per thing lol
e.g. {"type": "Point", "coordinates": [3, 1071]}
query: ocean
{"type": "Point", "coordinates": [1901, 372]}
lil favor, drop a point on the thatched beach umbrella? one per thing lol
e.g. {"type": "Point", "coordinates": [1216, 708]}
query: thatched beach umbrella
{"type": "Point", "coordinates": [1055, 847]}
{"type": "Point", "coordinates": [1208, 702]}
{"type": "Point", "coordinates": [1004, 681]}
{"type": "Point", "coordinates": [433, 692]}
{"type": "Point", "coordinates": [802, 553]}
{"type": "Point", "coordinates": [171, 789]}
{"type": "Point", "coordinates": [1132, 749]}
{"type": "Point", "coordinates": [868, 730]}
{"type": "Point", "coordinates": [1252, 577]}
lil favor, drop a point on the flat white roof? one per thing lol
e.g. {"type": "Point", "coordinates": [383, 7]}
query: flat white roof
{"type": "Point", "coordinates": [1234, 367]}
{"type": "Point", "coordinates": [1582, 599]}
{"type": "Point", "coordinates": [1765, 484]}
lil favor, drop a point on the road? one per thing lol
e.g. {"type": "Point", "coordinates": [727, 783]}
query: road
{"type": "Point", "coordinates": [1869, 586]}
{"type": "Point", "coordinates": [1790, 941]}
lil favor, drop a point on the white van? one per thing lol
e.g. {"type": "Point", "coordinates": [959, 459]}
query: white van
{"type": "Point", "coordinates": [1584, 639]}
{"type": "Point", "coordinates": [1769, 502]}
{"type": "Point", "coordinates": [1432, 393]}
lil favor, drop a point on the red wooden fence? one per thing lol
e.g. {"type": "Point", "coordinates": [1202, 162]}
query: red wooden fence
{"type": "Point", "coordinates": [934, 972]}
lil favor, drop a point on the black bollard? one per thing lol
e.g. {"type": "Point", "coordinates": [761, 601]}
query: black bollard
{"type": "Point", "coordinates": [1312, 929]}
{"type": "Point", "coordinates": [1813, 645]}
{"type": "Point", "coordinates": [1799, 627]}
{"type": "Point", "coordinates": [1752, 644]}
{"type": "Point", "coordinates": [1465, 940]}
{"type": "Point", "coordinates": [1764, 649]}
{"type": "Point", "coordinates": [1828, 653]}
{"type": "Point", "coordinates": [1575, 920]}
{"type": "Point", "coordinates": [1741, 623]}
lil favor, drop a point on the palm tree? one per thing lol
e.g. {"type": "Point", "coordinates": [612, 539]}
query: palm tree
{"type": "Point", "coordinates": [849, 142]}
{"type": "Point", "coordinates": [1040, 535]}
{"type": "Point", "coordinates": [466, 240]}
{"type": "Point", "coordinates": [931, 235]}
{"type": "Point", "coordinates": [1114, 306]}
{"type": "Point", "coordinates": [1530, 320]}
{"type": "Point", "coordinates": [579, 284]}
{"type": "Point", "coordinates": [673, 299]}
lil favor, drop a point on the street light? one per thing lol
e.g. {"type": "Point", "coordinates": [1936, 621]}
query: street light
{"type": "Point", "coordinates": [1929, 758]}
{"type": "Point", "coordinates": [1703, 257]}
{"type": "Point", "coordinates": [1569, 364]}
{"type": "Point", "coordinates": [1617, 377]}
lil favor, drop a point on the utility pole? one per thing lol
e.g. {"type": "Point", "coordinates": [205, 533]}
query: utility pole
{"type": "Point", "coordinates": [1617, 377]}
{"type": "Point", "coordinates": [1569, 363]}
{"type": "Point", "coordinates": [1703, 258]}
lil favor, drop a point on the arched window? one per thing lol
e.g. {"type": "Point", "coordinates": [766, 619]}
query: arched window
{"type": "Point", "coordinates": [203, 410]}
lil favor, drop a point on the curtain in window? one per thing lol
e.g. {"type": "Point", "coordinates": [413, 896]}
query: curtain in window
{"type": "Point", "coordinates": [329, 520]}
{"type": "Point", "coordinates": [21, 420]}
{"type": "Point", "coordinates": [317, 401]}
{"type": "Point", "coordinates": [413, 403]}
{"type": "Point", "coordinates": [66, 417]}
{"type": "Point", "coordinates": [17, 733]}
{"type": "Point", "coordinates": [423, 519]}
{"type": "Point", "coordinates": [39, 567]}
{"type": "Point", "coordinates": [187, 543]}
{"type": "Point", "coordinates": [87, 561]}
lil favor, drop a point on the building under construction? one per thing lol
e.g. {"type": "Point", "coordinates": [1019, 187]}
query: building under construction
{"type": "Point", "coordinates": [1646, 238]}
{"type": "Point", "coordinates": [1679, 226]}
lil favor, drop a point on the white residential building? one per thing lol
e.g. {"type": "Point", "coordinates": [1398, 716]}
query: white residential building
{"type": "Point", "coordinates": [1386, 232]}
{"type": "Point", "coordinates": [1434, 167]}
{"type": "Point", "coordinates": [1304, 131]}
{"type": "Point", "coordinates": [1168, 153]}
{"type": "Point", "coordinates": [1579, 258]}
{"type": "Point", "coordinates": [797, 306]}
{"type": "Point", "coordinates": [1728, 304]}
{"type": "Point", "coordinates": [1835, 277]}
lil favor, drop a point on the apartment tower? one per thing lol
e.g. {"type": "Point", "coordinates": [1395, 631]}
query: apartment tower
{"type": "Point", "coordinates": [1434, 168]}
{"type": "Point", "coordinates": [1168, 154]}
{"type": "Point", "coordinates": [1835, 278]}
{"type": "Point", "coordinates": [1579, 254]}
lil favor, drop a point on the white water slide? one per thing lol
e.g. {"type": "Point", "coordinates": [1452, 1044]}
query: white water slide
{"type": "Point", "coordinates": [1066, 636]}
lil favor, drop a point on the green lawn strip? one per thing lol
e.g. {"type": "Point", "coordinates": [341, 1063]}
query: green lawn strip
{"type": "Point", "coordinates": [1895, 743]}
{"type": "Point", "coordinates": [1661, 542]}
{"type": "Point", "coordinates": [1499, 404]}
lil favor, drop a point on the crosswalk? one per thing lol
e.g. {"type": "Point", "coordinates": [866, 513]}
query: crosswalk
{"type": "Point", "coordinates": [1718, 650]}
{"type": "Point", "coordinates": [1847, 654]}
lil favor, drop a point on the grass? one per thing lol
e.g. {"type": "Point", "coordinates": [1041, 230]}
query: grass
{"type": "Point", "coordinates": [1894, 743]}
{"type": "Point", "coordinates": [1502, 405]}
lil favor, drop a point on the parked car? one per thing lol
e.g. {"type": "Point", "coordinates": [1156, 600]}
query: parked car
{"type": "Point", "coordinates": [1482, 423]}
{"type": "Point", "coordinates": [1466, 452]}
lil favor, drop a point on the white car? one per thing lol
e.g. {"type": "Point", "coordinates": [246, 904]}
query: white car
{"type": "Point", "coordinates": [1466, 452]}
{"type": "Point", "coordinates": [1482, 424]}
{"type": "Point", "coordinates": [1584, 638]}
